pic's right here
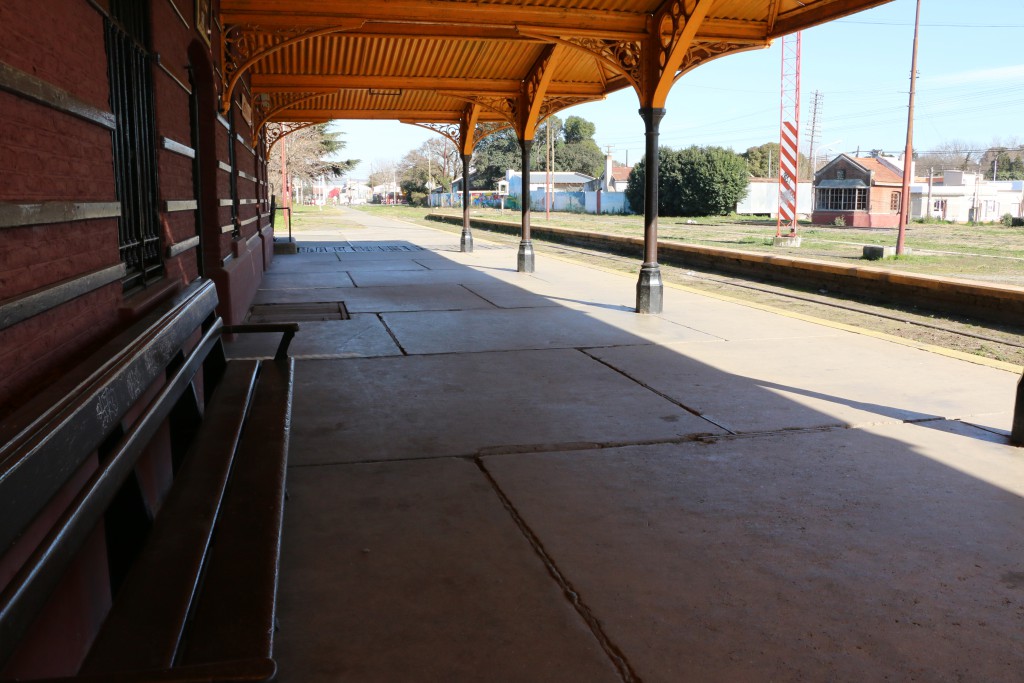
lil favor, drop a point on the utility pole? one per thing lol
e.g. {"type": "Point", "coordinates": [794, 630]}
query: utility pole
{"type": "Point", "coordinates": [547, 179]}
{"type": "Point", "coordinates": [815, 130]}
{"type": "Point", "coordinates": [908, 152]}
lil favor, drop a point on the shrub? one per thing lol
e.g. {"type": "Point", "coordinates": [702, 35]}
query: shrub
{"type": "Point", "coordinates": [839, 222]}
{"type": "Point", "coordinates": [1006, 220]}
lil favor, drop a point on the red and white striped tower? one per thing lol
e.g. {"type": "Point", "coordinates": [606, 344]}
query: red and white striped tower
{"type": "Point", "coordinates": [789, 134]}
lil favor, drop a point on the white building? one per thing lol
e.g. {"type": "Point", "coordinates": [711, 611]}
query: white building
{"type": "Point", "coordinates": [763, 198]}
{"type": "Point", "coordinates": [561, 181]}
{"type": "Point", "coordinates": [963, 197]}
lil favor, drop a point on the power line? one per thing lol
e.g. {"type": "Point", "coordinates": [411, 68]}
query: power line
{"type": "Point", "coordinates": [903, 23]}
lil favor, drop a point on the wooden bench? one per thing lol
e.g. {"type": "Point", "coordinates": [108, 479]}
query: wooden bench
{"type": "Point", "coordinates": [196, 599]}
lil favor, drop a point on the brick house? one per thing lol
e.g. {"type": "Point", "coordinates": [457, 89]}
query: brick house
{"type": "Point", "coordinates": [865, 192]}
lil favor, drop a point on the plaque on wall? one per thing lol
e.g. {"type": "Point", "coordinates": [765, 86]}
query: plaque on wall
{"type": "Point", "coordinates": [246, 110]}
{"type": "Point", "coordinates": [203, 16]}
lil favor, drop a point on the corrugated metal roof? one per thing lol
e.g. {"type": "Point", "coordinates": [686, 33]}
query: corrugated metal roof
{"type": "Point", "coordinates": [426, 60]}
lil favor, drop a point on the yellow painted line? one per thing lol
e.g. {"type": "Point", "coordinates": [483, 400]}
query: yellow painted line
{"type": "Point", "coordinates": [931, 348]}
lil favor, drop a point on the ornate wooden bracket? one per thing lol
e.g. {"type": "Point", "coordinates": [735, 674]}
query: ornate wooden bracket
{"type": "Point", "coordinates": [534, 90]}
{"type": "Point", "coordinates": [242, 45]}
{"type": "Point", "coordinates": [457, 132]}
{"type": "Point", "coordinates": [264, 108]}
{"type": "Point", "coordinates": [276, 131]}
{"type": "Point", "coordinates": [674, 30]}
{"type": "Point", "coordinates": [654, 63]}
{"type": "Point", "coordinates": [700, 53]}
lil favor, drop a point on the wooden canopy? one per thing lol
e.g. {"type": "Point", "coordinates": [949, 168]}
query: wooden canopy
{"type": "Point", "coordinates": [478, 65]}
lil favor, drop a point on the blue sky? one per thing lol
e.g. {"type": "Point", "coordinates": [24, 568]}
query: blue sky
{"type": "Point", "coordinates": [970, 88]}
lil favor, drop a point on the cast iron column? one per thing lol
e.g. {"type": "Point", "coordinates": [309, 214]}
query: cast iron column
{"type": "Point", "coordinates": [525, 260]}
{"type": "Point", "coordinates": [649, 289]}
{"type": "Point", "coordinates": [467, 237]}
{"type": "Point", "coordinates": [1017, 431]}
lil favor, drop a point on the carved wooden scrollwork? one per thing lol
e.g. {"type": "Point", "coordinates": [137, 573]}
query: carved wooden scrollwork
{"type": "Point", "coordinates": [704, 52]}
{"type": "Point", "coordinates": [266, 107]}
{"type": "Point", "coordinates": [452, 131]}
{"type": "Point", "coordinates": [553, 105]}
{"type": "Point", "coordinates": [482, 130]}
{"type": "Point", "coordinates": [242, 45]}
{"type": "Point", "coordinates": [624, 56]}
{"type": "Point", "coordinates": [275, 131]}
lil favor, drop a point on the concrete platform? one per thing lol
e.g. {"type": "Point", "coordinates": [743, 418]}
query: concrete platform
{"type": "Point", "coordinates": [497, 476]}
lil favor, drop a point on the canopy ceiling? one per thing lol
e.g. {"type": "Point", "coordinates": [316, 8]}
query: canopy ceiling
{"type": "Point", "coordinates": [497, 62]}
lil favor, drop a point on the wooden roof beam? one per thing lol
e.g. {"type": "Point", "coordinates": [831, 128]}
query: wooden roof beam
{"type": "Point", "coordinates": [282, 83]}
{"type": "Point", "coordinates": [819, 13]}
{"type": "Point", "coordinates": [438, 116]}
{"type": "Point", "coordinates": [329, 12]}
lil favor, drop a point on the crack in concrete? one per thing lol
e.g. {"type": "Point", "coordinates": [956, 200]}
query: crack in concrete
{"type": "Point", "coordinates": [380, 317]}
{"type": "Point", "coordinates": [662, 394]}
{"type": "Point", "coordinates": [613, 652]}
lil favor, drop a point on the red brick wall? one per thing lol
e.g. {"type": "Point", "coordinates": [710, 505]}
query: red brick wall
{"type": "Point", "coordinates": [58, 41]}
{"type": "Point", "coordinates": [53, 156]}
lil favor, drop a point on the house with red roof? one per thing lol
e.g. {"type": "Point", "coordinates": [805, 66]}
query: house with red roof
{"type": "Point", "coordinates": [613, 179]}
{"type": "Point", "coordinates": [864, 192]}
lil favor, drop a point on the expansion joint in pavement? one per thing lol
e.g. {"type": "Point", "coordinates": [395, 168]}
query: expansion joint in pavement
{"type": "Point", "coordinates": [618, 659]}
{"type": "Point", "coordinates": [662, 394]}
{"type": "Point", "coordinates": [380, 317]}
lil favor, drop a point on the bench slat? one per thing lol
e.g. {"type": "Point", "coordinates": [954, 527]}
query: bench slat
{"type": "Point", "coordinates": [143, 630]}
{"type": "Point", "coordinates": [234, 616]}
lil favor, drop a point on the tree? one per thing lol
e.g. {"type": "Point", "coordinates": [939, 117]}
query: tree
{"type": "Point", "coordinates": [428, 166]}
{"type": "Point", "coordinates": [1004, 160]}
{"type": "Point", "coordinates": [955, 155]}
{"type": "Point", "coordinates": [492, 156]}
{"type": "Point", "coordinates": [311, 153]}
{"type": "Point", "coordinates": [573, 143]}
{"type": "Point", "coordinates": [696, 181]}
{"type": "Point", "coordinates": [579, 152]}
{"type": "Point", "coordinates": [763, 162]}
{"type": "Point", "coordinates": [382, 171]}
{"type": "Point", "coordinates": [713, 180]}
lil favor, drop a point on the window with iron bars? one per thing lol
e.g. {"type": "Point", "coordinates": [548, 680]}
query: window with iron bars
{"type": "Point", "coordinates": [894, 202]}
{"type": "Point", "coordinates": [135, 177]}
{"type": "Point", "coordinates": [841, 199]}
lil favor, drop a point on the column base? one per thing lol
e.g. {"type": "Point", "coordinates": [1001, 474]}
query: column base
{"type": "Point", "coordinates": [525, 259]}
{"type": "Point", "coordinates": [466, 242]}
{"type": "Point", "coordinates": [649, 289]}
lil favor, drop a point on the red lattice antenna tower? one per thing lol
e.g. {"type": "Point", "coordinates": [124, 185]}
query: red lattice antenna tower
{"type": "Point", "coordinates": [789, 134]}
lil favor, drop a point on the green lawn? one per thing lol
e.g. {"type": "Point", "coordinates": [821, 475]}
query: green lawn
{"type": "Point", "coordinates": [989, 252]}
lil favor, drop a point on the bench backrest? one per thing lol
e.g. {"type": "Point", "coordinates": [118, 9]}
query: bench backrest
{"type": "Point", "coordinates": [44, 444]}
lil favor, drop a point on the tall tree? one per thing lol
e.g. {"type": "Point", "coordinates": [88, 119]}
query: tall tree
{"type": "Point", "coordinates": [492, 157]}
{"type": "Point", "coordinates": [311, 153]}
{"type": "Point", "coordinates": [763, 162]}
{"type": "Point", "coordinates": [573, 146]}
{"type": "Point", "coordinates": [579, 151]}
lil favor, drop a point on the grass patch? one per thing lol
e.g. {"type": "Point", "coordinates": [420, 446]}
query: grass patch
{"type": "Point", "coordinates": [990, 252]}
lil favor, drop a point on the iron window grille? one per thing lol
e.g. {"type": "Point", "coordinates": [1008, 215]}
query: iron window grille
{"type": "Point", "coordinates": [134, 141]}
{"type": "Point", "coordinates": [841, 199]}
